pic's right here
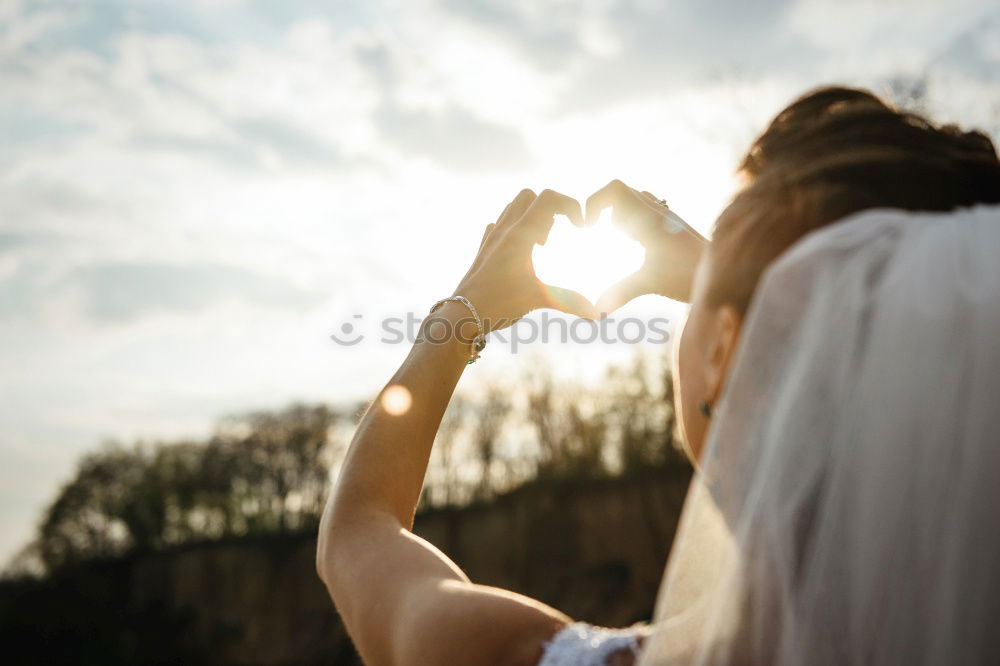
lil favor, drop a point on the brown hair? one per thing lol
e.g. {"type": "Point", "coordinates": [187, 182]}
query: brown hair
{"type": "Point", "coordinates": [833, 152]}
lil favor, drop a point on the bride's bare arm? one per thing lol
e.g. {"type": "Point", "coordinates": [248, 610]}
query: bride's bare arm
{"type": "Point", "coordinates": [402, 600]}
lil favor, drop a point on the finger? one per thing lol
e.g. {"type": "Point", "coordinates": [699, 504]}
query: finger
{"type": "Point", "coordinates": [619, 294]}
{"type": "Point", "coordinates": [537, 219]}
{"type": "Point", "coordinates": [515, 209]}
{"type": "Point", "coordinates": [606, 197]}
{"type": "Point", "coordinates": [664, 220]}
{"type": "Point", "coordinates": [652, 198]}
{"type": "Point", "coordinates": [675, 224]}
{"type": "Point", "coordinates": [486, 234]}
{"type": "Point", "coordinates": [502, 213]}
{"type": "Point", "coordinates": [638, 214]}
{"type": "Point", "coordinates": [568, 301]}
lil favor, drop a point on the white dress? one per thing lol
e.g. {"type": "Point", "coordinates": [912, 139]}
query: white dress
{"type": "Point", "coordinates": [582, 644]}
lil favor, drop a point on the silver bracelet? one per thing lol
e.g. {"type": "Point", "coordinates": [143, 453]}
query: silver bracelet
{"type": "Point", "coordinates": [478, 342]}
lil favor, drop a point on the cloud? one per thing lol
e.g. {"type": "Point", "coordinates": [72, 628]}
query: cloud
{"type": "Point", "coordinates": [250, 144]}
{"type": "Point", "coordinates": [454, 138]}
{"type": "Point", "coordinates": [615, 52]}
{"type": "Point", "coordinates": [120, 292]}
{"type": "Point", "coordinates": [11, 240]}
{"type": "Point", "coordinates": [291, 143]}
{"type": "Point", "coordinates": [437, 124]}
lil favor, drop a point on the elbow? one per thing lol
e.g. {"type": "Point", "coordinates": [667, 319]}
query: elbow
{"type": "Point", "coordinates": [322, 552]}
{"type": "Point", "coordinates": [341, 547]}
{"type": "Point", "coordinates": [330, 537]}
{"type": "Point", "coordinates": [340, 529]}
{"type": "Point", "coordinates": [330, 546]}
{"type": "Point", "coordinates": [349, 523]}
{"type": "Point", "coordinates": [330, 534]}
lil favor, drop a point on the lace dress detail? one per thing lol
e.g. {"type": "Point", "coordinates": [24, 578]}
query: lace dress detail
{"type": "Point", "coordinates": [582, 644]}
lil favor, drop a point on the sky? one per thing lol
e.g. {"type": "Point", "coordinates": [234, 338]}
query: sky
{"type": "Point", "coordinates": [195, 195]}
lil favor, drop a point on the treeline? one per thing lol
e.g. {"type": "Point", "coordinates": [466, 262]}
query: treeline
{"type": "Point", "coordinates": [270, 472]}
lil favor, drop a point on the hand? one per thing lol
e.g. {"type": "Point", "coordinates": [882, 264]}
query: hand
{"type": "Point", "coordinates": [501, 282]}
{"type": "Point", "coordinates": [673, 248]}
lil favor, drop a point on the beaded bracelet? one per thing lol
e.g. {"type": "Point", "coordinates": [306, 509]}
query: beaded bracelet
{"type": "Point", "coordinates": [478, 342]}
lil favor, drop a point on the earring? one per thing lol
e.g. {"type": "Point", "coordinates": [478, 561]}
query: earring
{"type": "Point", "coordinates": [705, 408]}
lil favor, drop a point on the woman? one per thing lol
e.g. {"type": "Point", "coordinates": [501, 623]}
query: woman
{"type": "Point", "coordinates": [734, 598]}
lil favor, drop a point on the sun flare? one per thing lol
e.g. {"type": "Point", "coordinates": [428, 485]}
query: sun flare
{"type": "Point", "coordinates": [587, 260]}
{"type": "Point", "coordinates": [396, 400]}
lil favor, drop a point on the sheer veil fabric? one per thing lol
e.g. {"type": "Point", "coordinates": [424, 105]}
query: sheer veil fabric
{"type": "Point", "coordinates": [848, 506]}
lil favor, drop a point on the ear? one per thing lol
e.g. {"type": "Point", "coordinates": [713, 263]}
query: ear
{"type": "Point", "coordinates": [725, 335]}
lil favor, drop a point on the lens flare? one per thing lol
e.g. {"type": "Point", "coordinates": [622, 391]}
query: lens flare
{"type": "Point", "coordinates": [396, 400]}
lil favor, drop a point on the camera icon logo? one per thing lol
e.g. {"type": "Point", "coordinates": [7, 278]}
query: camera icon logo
{"type": "Point", "coordinates": [348, 335]}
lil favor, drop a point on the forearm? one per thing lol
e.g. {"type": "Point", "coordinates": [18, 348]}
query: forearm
{"type": "Point", "coordinates": [385, 465]}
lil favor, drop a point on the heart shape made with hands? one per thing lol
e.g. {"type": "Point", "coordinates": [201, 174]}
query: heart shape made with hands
{"type": "Point", "coordinates": [589, 259]}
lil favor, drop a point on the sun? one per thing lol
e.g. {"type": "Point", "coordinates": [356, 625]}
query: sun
{"type": "Point", "coordinates": [587, 260]}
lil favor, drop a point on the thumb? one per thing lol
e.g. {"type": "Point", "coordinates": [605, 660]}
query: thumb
{"type": "Point", "coordinates": [619, 294]}
{"type": "Point", "coordinates": [568, 301]}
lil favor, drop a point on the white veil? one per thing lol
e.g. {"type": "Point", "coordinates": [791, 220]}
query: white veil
{"type": "Point", "coordinates": [848, 506]}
